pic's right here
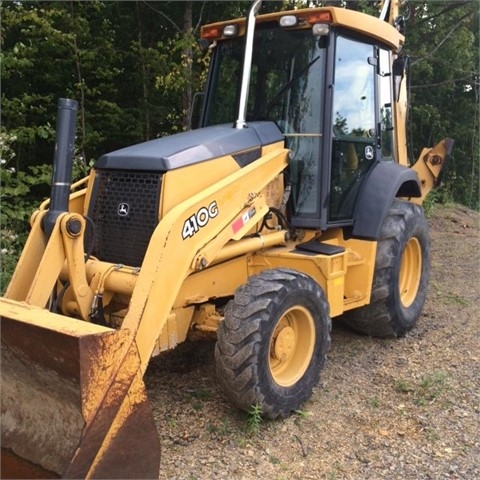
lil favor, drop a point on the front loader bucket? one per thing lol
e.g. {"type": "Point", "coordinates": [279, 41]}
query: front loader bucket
{"type": "Point", "coordinates": [73, 401]}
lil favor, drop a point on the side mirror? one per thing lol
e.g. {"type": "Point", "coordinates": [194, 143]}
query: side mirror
{"type": "Point", "coordinates": [398, 70]}
{"type": "Point", "coordinates": [196, 110]}
{"type": "Point", "coordinates": [204, 45]}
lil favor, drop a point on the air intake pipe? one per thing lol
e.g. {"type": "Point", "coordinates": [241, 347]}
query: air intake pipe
{"type": "Point", "coordinates": [247, 65]}
{"type": "Point", "coordinates": [62, 162]}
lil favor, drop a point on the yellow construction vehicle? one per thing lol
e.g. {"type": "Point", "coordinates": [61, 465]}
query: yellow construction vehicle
{"type": "Point", "coordinates": [257, 230]}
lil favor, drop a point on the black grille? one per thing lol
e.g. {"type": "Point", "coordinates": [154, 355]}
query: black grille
{"type": "Point", "coordinates": [124, 210]}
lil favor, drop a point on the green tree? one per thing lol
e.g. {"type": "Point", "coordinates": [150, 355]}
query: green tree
{"type": "Point", "coordinates": [110, 57]}
{"type": "Point", "coordinates": [443, 43]}
{"type": "Point", "coordinates": [134, 66]}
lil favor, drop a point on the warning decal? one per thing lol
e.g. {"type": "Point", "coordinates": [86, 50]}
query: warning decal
{"type": "Point", "coordinates": [241, 221]}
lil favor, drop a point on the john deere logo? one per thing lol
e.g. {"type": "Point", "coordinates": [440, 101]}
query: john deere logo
{"type": "Point", "coordinates": [123, 209]}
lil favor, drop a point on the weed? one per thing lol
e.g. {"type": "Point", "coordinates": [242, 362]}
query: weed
{"type": "Point", "coordinates": [274, 460]}
{"type": "Point", "coordinates": [373, 402]}
{"type": "Point", "coordinates": [441, 195]}
{"type": "Point", "coordinates": [334, 472]}
{"type": "Point", "coordinates": [302, 413]}
{"type": "Point", "coordinates": [431, 434]}
{"type": "Point", "coordinates": [223, 429]}
{"type": "Point", "coordinates": [401, 386]}
{"type": "Point", "coordinates": [198, 396]}
{"type": "Point", "coordinates": [171, 422]}
{"type": "Point", "coordinates": [254, 419]}
{"type": "Point", "coordinates": [241, 441]}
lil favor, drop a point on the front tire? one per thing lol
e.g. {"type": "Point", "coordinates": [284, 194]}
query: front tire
{"type": "Point", "coordinates": [273, 342]}
{"type": "Point", "coordinates": [402, 271]}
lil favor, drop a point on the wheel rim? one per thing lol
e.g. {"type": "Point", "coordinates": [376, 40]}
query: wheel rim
{"type": "Point", "coordinates": [410, 272]}
{"type": "Point", "coordinates": [291, 346]}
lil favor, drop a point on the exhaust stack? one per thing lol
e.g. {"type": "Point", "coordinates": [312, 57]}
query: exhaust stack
{"type": "Point", "coordinates": [62, 162]}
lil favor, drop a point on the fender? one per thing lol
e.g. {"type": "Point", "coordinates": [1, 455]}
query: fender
{"type": "Point", "coordinates": [386, 181]}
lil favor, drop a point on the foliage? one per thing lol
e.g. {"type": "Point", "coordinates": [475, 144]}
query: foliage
{"type": "Point", "coordinates": [18, 199]}
{"type": "Point", "coordinates": [441, 195]}
{"type": "Point", "coordinates": [443, 44]}
{"type": "Point", "coordinates": [108, 56]}
{"type": "Point", "coordinates": [16, 206]}
{"type": "Point", "coordinates": [185, 66]}
{"type": "Point", "coordinates": [134, 67]}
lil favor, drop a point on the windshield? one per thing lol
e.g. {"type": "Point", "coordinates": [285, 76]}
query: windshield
{"type": "Point", "coordinates": [285, 84]}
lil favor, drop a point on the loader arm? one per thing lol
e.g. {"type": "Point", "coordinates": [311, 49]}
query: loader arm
{"type": "Point", "coordinates": [236, 196]}
{"type": "Point", "coordinates": [42, 260]}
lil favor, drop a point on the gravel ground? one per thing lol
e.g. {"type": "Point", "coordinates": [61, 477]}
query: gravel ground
{"type": "Point", "coordinates": [395, 409]}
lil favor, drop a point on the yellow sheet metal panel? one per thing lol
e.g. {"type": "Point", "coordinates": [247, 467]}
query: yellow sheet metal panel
{"type": "Point", "coordinates": [182, 228]}
{"type": "Point", "coordinates": [182, 183]}
{"type": "Point", "coordinates": [175, 329]}
{"type": "Point", "coordinates": [345, 277]}
{"type": "Point", "coordinates": [328, 271]}
{"type": "Point", "coordinates": [368, 25]}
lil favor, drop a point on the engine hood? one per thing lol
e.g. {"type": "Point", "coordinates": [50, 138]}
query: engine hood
{"type": "Point", "coordinates": [191, 147]}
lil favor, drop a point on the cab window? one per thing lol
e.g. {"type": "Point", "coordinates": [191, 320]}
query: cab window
{"type": "Point", "coordinates": [353, 124]}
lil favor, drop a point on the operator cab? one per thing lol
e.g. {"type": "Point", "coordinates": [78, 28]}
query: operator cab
{"type": "Point", "coordinates": [328, 89]}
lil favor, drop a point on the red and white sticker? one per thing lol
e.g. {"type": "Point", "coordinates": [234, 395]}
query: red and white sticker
{"type": "Point", "coordinates": [238, 224]}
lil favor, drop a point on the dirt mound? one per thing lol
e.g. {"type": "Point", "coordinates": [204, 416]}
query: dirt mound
{"type": "Point", "coordinates": [395, 409]}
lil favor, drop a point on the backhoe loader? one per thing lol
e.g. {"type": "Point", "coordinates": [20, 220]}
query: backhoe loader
{"type": "Point", "coordinates": [292, 203]}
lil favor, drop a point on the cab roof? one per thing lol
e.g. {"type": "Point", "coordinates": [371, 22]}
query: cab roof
{"type": "Point", "coordinates": [362, 23]}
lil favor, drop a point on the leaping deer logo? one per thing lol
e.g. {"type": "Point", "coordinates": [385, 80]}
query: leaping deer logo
{"type": "Point", "coordinates": [123, 209]}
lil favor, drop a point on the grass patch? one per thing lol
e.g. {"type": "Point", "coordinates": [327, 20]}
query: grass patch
{"type": "Point", "coordinates": [198, 396]}
{"type": "Point", "coordinates": [373, 402]}
{"type": "Point", "coordinates": [431, 387]}
{"type": "Point", "coordinates": [431, 434]}
{"type": "Point", "coordinates": [426, 389]}
{"type": "Point", "coordinates": [171, 422]}
{"type": "Point", "coordinates": [454, 299]}
{"type": "Point", "coordinates": [201, 394]}
{"type": "Point", "coordinates": [274, 460]}
{"type": "Point", "coordinates": [223, 429]}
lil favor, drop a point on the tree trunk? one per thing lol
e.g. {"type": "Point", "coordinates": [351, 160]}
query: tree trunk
{"type": "Point", "coordinates": [145, 107]}
{"type": "Point", "coordinates": [187, 58]}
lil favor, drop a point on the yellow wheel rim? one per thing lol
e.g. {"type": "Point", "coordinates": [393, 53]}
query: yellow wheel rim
{"type": "Point", "coordinates": [291, 346]}
{"type": "Point", "coordinates": [410, 272]}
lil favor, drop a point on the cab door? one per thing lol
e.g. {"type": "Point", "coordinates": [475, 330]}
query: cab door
{"type": "Point", "coordinates": [354, 134]}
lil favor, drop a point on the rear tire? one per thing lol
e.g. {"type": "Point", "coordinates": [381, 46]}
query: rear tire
{"type": "Point", "coordinates": [273, 342]}
{"type": "Point", "coordinates": [402, 270]}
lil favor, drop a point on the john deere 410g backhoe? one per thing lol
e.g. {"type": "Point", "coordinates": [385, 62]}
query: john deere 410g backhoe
{"type": "Point", "coordinates": [294, 203]}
